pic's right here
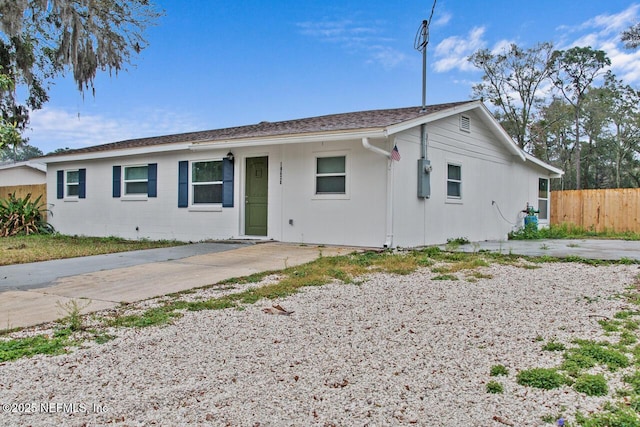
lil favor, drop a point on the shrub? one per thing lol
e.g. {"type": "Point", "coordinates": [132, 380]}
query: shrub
{"type": "Point", "coordinates": [23, 216]}
{"type": "Point", "coordinates": [528, 232]}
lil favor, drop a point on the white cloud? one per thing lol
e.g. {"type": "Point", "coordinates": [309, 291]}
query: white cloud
{"type": "Point", "coordinates": [502, 46]}
{"type": "Point", "coordinates": [442, 20]}
{"type": "Point", "coordinates": [387, 56]}
{"type": "Point", "coordinates": [453, 52]}
{"type": "Point", "coordinates": [52, 128]}
{"type": "Point", "coordinates": [356, 37]}
{"type": "Point", "coordinates": [603, 32]}
{"type": "Point", "coordinates": [613, 24]}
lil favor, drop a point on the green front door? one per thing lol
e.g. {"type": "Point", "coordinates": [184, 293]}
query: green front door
{"type": "Point", "coordinates": [256, 195]}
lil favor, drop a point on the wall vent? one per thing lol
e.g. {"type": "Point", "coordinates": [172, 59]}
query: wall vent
{"type": "Point", "coordinates": [465, 123]}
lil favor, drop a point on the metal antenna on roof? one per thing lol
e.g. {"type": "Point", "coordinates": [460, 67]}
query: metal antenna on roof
{"type": "Point", "coordinates": [420, 44]}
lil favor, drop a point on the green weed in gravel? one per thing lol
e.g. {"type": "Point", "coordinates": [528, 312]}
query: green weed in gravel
{"type": "Point", "coordinates": [39, 344]}
{"type": "Point", "coordinates": [543, 378]}
{"type": "Point", "coordinates": [553, 346]}
{"type": "Point", "coordinates": [497, 370]}
{"type": "Point", "coordinates": [494, 387]}
{"type": "Point", "coordinates": [591, 353]}
{"type": "Point", "coordinates": [591, 385]}
{"type": "Point", "coordinates": [152, 317]}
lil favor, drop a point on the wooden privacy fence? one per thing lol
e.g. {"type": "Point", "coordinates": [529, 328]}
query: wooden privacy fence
{"type": "Point", "coordinates": [615, 209]}
{"type": "Point", "coordinates": [22, 191]}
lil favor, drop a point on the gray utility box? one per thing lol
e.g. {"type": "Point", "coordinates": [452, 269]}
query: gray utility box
{"type": "Point", "coordinates": [424, 178]}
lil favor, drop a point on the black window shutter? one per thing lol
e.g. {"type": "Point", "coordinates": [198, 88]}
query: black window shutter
{"type": "Point", "coordinates": [82, 183]}
{"type": "Point", "coordinates": [227, 183]}
{"type": "Point", "coordinates": [116, 181]}
{"type": "Point", "coordinates": [152, 178]}
{"type": "Point", "coordinates": [183, 184]}
{"type": "Point", "coordinates": [60, 184]}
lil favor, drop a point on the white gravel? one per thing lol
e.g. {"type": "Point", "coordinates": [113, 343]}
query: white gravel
{"type": "Point", "coordinates": [393, 350]}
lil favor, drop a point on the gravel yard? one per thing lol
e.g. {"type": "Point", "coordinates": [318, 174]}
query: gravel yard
{"type": "Point", "coordinates": [391, 350]}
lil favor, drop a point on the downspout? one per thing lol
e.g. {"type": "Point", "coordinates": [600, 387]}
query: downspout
{"type": "Point", "coordinates": [388, 241]}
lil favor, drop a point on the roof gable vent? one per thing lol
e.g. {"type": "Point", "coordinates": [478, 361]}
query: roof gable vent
{"type": "Point", "coordinates": [465, 123]}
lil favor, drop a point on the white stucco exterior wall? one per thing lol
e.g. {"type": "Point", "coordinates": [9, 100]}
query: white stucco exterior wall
{"type": "Point", "coordinates": [357, 218]}
{"type": "Point", "coordinates": [494, 183]}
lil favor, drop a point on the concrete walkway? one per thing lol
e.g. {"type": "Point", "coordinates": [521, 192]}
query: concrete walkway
{"type": "Point", "coordinates": [590, 249]}
{"type": "Point", "coordinates": [107, 285]}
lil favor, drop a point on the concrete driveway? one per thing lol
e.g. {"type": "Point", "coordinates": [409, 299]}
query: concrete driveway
{"type": "Point", "coordinates": [31, 294]}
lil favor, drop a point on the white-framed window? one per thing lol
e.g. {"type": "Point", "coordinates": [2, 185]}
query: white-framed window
{"type": "Point", "coordinates": [72, 183]}
{"type": "Point", "coordinates": [206, 182]}
{"type": "Point", "coordinates": [331, 175]}
{"type": "Point", "coordinates": [454, 181]}
{"type": "Point", "coordinates": [136, 180]}
{"type": "Point", "coordinates": [543, 198]}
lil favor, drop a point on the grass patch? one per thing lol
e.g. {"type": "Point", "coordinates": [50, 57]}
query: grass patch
{"type": "Point", "coordinates": [39, 344]}
{"type": "Point", "coordinates": [445, 277]}
{"type": "Point", "coordinates": [570, 231]}
{"type": "Point", "coordinates": [610, 325]}
{"type": "Point", "coordinates": [33, 248]}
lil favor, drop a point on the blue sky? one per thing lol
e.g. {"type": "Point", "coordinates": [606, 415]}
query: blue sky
{"type": "Point", "coordinates": [213, 64]}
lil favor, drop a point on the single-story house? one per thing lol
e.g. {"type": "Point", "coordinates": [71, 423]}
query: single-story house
{"type": "Point", "coordinates": [22, 173]}
{"type": "Point", "coordinates": [383, 178]}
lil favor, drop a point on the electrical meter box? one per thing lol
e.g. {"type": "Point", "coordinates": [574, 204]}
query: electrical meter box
{"type": "Point", "coordinates": [424, 181]}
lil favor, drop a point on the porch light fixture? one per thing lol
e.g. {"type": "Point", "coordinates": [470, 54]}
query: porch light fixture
{"type": "Point", "coordinates": [230, 156]}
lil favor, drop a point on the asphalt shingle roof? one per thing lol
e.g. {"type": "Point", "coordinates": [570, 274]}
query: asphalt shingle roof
{"type": "Point", "coordinates": [372, 119]}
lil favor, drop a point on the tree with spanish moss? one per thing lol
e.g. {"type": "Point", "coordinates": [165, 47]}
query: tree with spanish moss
{"type": "Point", "coordinates": [43, 39]}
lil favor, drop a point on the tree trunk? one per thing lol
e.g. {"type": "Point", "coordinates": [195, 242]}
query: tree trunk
{"type": "Point", "coordinates": [578, 182]}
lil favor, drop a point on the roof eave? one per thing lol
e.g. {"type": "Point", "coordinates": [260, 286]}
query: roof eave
{"type": "Point", "coordinates": [290, 139]}
{"type": "Point", "coordinates": [554, 172]}
{"type": "Point", "coordinates": [26, 164]}
{"type": "Point", "coordinates": [432, 117]}
{"type": "Point", "coordinates": [107, 154]}
{"type": "Point", "coordinates": [457, 109]}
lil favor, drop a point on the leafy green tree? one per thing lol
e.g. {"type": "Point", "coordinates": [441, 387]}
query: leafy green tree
{"type": "Point", "coordinates": [631, 37]}
{"type": "Point", "coordinates": [9, 135]}
{"type": "Point", "coordinates": [511, 82]}
{"type": "Point", "coordinates": [20, 153]}
{"type": "Point", "coordinates": [42, 39]}
{"type": "Point", "coordinates": [573, 72]}
{"type": "Point", "coordinates": [618, 105]}
{"type": "Point", "coordinates": [553, 140]}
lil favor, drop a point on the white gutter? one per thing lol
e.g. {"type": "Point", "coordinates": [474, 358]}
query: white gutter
{"type": "Point", "coordinates": [388, 240]}
{"type": "Point", "coordinates": [289, 139]}
{"type": "Point", "coordinates": [365, 144]}
{"type": "Point", "coordinates": [93, 155]}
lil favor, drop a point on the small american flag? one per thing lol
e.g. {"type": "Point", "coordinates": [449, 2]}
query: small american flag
{"type": "Point", "coordinates": [395, 154]}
